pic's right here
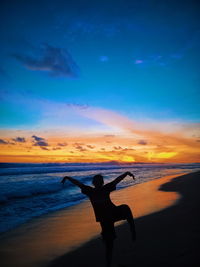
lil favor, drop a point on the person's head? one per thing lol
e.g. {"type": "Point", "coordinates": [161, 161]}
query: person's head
{"type": "Point", "coordinates": [98, 180]}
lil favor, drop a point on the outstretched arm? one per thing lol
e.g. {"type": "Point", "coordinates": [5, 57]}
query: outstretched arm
{"type": "Point", "coordinates": [73, 181]}
{"type": "Point", "coordinates": [121, 177]}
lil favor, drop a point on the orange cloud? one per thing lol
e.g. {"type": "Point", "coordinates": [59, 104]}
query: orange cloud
{"type": "Point", "coordinates": [116, 138]}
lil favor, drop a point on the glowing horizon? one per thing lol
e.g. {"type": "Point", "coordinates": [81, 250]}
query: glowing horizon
{"type": "Point", "coordinates": [114, 138]}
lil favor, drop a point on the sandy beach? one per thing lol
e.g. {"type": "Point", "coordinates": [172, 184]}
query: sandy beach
{"type": "Point", "coordinates": [167, 225]}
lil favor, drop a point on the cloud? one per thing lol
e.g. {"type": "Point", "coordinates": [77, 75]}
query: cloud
{"type": "Point", "coordinates": [78, 144]}
{"type": "Point", "coordinates": [3, 142]}
{"type": "Point", "coordinates": [62, 144]}
{"type": "Point", "coordinates": [56, 61]}
{"type": "Point", "coordinates": [177, 136]}
{"type": "Point", "coordinates": [79, 147]}
{"type": "Point", "coordinates": [154, 60]}
{"type": "Point", "coordinates": [138, 61]}
{"type": "Point", "coordinates": [106, 117]}
{"type": "Point", "coordinates": [44, 148]}
{"type": "Point", "coordinates": [158, 58]}
{"type": "Point", "coordinates": [117, 147]}
{"type": "Point", "coordinates": [56, 148]}
{"type": "Point", "coordinates": [37, 138]}
{"type": "Point", "coordinates": [142, 142]}
{"type": "Point", "coordinates": [90, 146]}
{"type": "Point", "coordinates": [170, 132]}
{"type": "Point", "coordinates": [144, 59]}
{"type": "Point", "coordinates": [39, 141]}
{"type": "Point", "coordinates": [19, 139]}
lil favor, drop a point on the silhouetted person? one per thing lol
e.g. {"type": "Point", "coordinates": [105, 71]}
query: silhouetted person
{"type": "Point", "coordinates": [106, 212]}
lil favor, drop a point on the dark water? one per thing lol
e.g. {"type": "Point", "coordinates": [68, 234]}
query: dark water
{"type": "Point", "coordinates": [30, 190]}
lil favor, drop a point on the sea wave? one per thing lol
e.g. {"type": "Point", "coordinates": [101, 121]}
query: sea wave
{"type": "Point", "coordinates": [23, 190]}
{"type": "Point", "coordinates": [51, 168]}
{"type": "Point", "coordinates": [25, 196]}
{"type": "Point", "coordinates": [39, 168]}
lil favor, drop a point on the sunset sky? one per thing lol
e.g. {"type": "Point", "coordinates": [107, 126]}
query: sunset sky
{"type": "Point", "coordinates": [97, 81]}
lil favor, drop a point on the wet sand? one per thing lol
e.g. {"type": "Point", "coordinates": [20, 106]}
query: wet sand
{"type": "Point", "coordinates": [166, 224]}
{"type": "Point", "coordinates": [169, 237]}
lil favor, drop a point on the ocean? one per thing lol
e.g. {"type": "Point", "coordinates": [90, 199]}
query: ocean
{"type": "Point", "coordinates": [31, 190]}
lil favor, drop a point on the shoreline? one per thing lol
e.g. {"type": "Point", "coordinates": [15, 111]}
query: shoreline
{"type": "Point", "coordinates": [10, 226]}
{"type": "Point", "coordinates": [169, 237]}
{"type": "Point", "coordinates": [55, 234]}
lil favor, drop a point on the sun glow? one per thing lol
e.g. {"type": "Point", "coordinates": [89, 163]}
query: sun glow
{"type": "Point", "coordinates": [93, 148]}
{"type": "Point", "coordinates": [161, 155]}
{"type": "Point", "coordinates": [119, 139]}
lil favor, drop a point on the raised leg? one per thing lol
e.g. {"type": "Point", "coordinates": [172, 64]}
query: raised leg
{"type": "Point", "coordinates": [124, 213]}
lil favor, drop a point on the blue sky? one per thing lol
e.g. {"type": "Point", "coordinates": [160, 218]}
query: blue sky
{"type": "Point", "coordinates": [138, 58]}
